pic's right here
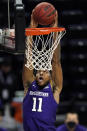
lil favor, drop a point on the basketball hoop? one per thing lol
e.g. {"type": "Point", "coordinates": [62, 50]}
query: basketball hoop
{"type": "Point", "coordinates": [48, 39]}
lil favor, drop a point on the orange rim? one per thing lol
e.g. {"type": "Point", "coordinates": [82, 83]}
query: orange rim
{"type": "Point", "coordinates": [42, 31]}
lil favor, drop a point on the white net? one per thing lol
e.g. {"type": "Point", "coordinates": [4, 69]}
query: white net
{"type": "Point", "coordinates": [40, 49]}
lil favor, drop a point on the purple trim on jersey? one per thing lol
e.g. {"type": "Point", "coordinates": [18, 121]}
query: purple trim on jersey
{"type": "Point", "coordinates": [39, 109]}
{"type": "Point", "coordinates": [64, 128]}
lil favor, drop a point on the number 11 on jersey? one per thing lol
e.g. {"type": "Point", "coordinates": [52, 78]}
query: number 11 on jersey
{"type": "Point", "coordinates": [39, 106]}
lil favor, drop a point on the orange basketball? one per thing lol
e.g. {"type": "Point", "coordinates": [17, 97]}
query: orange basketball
{"type": "Point", "coordinates": [44, 13]}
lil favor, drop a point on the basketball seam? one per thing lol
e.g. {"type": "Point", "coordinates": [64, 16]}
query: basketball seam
{"type": "Point", "coordinates": [37, 12]}
{"type": "Point", "coordinates": [46, 8]}
{"type": "Point", "coordinates": [46, 13]}
{"type": "Point", "coordinates": [51, 13]}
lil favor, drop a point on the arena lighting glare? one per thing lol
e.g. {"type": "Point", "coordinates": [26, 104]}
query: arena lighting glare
{"type": "Point", "coordinates": [19, 5]}
{"type": "Point", "coordinates": [18, 2]}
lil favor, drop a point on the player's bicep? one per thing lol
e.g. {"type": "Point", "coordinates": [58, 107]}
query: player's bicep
{"type": "Point", "coordinates": [57, 76]}
{"type": "Point", "coordinates": [56, 63]}
{"type": "Point", "coordinates": [27, 76]}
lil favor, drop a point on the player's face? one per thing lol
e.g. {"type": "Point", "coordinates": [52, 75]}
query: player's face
{"type": "Point", "coordinates": [42, 77]}
{"type": "Point", "coordinates": [72, 118]}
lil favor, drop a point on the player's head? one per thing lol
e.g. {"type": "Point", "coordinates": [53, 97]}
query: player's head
{"type": "Point", "coordinates": [43, 77]}
{"type": "Point", "coordinates": [71, 120]}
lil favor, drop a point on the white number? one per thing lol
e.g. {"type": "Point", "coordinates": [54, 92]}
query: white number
{"type": "Point", "coordinates": [34, 105]}
{"type": "Point", "coordinates": [40, 105]}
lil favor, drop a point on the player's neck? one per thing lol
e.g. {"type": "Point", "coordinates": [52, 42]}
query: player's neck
{"type": "Point", "coordinates": [72, 129]}
{"type": "Point", "coordinates": [42, 87]}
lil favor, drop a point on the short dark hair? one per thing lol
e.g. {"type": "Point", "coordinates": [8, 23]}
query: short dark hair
{"type": "Point", "coordinates": [35, 72]}
{"type": "Point", "coordinates": [72, 112]}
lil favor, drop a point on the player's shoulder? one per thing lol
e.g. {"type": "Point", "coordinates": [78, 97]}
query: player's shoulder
{"type": "Point", "coordinates": [61, 128]}
{"type": "Point", "coordinates": [82, 128]}
{"type": "Point", "coordinates": [33, 84]}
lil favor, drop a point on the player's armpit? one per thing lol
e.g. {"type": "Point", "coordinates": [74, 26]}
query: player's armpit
{"type": "Point", "coordinates": [25, 91]}
{"type": "Point", "coordinates": [56, 95]}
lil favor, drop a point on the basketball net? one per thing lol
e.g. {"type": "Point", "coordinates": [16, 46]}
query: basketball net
{"type": "Point", "coordinates": [41, 59]}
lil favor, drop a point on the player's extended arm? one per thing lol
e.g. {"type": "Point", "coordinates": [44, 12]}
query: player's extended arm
{"type": "Point", "coordinates": [57, 76]}
{"type": "Point", "coordinates": [27, 74]}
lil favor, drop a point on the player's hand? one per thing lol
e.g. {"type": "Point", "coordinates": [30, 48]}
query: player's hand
{"type": "Point", "coordinates": [55, 24]}
{"type": "Point", "coordinates": [33, 23]}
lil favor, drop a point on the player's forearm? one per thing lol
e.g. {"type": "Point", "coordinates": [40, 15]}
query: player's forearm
{"type": "Point", "coordinates": [26, 80]}
{"type": "Point", "coordinates": [57, 55]}
{"type": "Point", "coordinates": [27, 74]}
{"type": "Point", "coordinates": [33, 23]}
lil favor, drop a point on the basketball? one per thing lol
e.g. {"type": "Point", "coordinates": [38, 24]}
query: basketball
{"type": "Point", "coordinates": [44, 13]}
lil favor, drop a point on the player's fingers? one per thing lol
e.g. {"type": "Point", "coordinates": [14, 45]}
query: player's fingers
{"type": "Point", "coordinates": [31, 17]}
{"type": "Point", "coordinates": [56, 17]}
{"type": "Point", "coordinates": [56, 12]}
{"type": "Point", "coordinates": [34, 23]}
{"type": "Point", "coordinates": [55, 23]}
{"type": "Point", "coordinates": [33, 11]}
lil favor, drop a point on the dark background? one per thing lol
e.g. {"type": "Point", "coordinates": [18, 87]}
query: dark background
{"type": "Point", "coordinates": [72, 14]}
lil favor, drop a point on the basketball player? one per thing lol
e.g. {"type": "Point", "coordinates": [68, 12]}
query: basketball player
{"type": "Point", "coordinates": [71, 123]}
{"type": "Point", "coordinates": [42, 91]}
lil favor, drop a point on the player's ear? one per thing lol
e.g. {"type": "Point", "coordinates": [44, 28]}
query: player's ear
{"type": "Point", "coordinates": [65, 121]}
{"type": "Point", "coordinates": [34, 72]}
{"type": "Point", "coordinates": [50, 73]}
{"type": "Point", "coordinates": [77, 121]}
